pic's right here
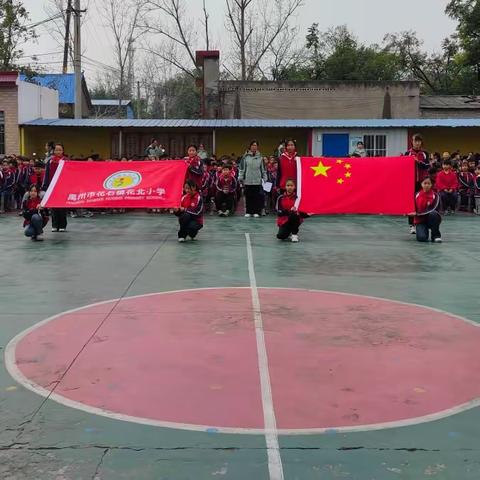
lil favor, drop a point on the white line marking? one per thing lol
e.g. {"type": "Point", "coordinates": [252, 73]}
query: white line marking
{"type": "Point", "coordinates": [270, 423]}
{"type": "Point", "coordinates": [19, 377]}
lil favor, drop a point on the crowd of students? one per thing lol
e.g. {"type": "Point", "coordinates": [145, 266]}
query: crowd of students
{"type": "Point", "coordinates": [444, 184]}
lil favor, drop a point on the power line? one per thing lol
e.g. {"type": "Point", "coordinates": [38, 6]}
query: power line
{"type": "Point", "coordinates": [37, 24]}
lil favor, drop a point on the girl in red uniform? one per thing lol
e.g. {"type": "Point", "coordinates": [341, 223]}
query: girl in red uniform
{"type": "Point", "coordinates": [287, 165]}
{"type": "Point", "coordinates": [190, 213]}
{"type": "Point", "coordinates": [422, 166]}
{"type": "Point", "coordinates": [427, 219]}
{"type": "Point", "coordinates": [59, 215]}
{"type": "Point", "coordinates": [35, 217]}
{"type": "Point", "coordinates": [195, 169]}
{"type": "Point", "coordinates": [466, 184]}
{"type": "Point", "coordinates": [289, 218]}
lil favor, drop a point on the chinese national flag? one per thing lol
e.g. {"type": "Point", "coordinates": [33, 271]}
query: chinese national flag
{"type": "Point", "coordinates": [375, 185]}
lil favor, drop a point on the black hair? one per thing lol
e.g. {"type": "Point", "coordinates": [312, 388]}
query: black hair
{"type": "Point", "coordinates": [288, 140]}
{"type": "Point", "coordinates": [227, 165]}
{"type": "Point", "coordinates": [51, 145]}
{"type": "Point", "coordinates": [191, 183]}
{"type": "Point", "coordinates": [254, 141]}
{"type": "Point", "coordinates": [58, 143]}
{"type": "Point", "coordinates": [38, 165]}
{"type": "Point", "coordinates": [192, 145]}
{"type": "Point", "coordinates": [33, 186]}
{"type": "Point", "coordinates": [360, 143]}
{"type": "Point", "coordinates": [447, 162]}
{"type": "Point", "coordinates": [291, 180]}
{"type": "Point", "coordinates": [417, 137]}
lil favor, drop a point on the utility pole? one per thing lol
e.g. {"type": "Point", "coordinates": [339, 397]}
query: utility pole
{"type": "Point", "coordinates": [77, 52]}
{"type": "Point", "coordinates": [67, 36]}
{"type": "Point", "coordinates": [139, 108]}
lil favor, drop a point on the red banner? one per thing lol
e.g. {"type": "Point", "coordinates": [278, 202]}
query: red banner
{"type": "Point", "coordinates": [116, 185]}
{"type": "Point", "coordinates": [374, 185]}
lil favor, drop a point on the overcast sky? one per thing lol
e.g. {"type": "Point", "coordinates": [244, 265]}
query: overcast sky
{"type": "Point", "coordinates": [370, 20]}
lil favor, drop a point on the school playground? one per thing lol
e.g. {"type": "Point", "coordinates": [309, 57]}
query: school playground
{"type": "Point", "coordinates": [354, 354]}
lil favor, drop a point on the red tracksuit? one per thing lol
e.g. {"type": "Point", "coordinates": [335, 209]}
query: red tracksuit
{"type": "Point", "coordinates": [193, 205]}
{"type": "Point", "coordinates": [287, 169]}
{"type": "Point", "coordinates": [424, 202]}
{"type": "Point", "coordinates": [422, 163]}
{"type": "Point", "coordinates": [195, 170]}
{"type": "Point", "coordinates": [466, 182]}
{"type": "Point", "coordinates": [446, 181]}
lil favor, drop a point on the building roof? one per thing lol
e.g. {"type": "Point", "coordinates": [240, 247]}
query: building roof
{"type": "Point", "coordinates": [109, 102]}
{"type": "Point", "coordinates": [64, 83]}
{"type": "Point", "coordinates": [454, 102]}
{"type": "Point", "coordinates": [210, 124]}
{"type": "Point", "coordinates": [8, 79]}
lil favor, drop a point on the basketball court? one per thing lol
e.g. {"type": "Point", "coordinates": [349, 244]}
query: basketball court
{"type": "Point", "coordinates": [353, 354]}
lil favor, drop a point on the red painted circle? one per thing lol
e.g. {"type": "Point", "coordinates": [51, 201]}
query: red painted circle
{"type": "Point", "coordinates": [190, 357]}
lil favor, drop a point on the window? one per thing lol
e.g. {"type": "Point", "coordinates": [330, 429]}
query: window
{"type": "Point", "coordinates": [2, 133]}
{"type": "Point", "coordinates": [375, 145]}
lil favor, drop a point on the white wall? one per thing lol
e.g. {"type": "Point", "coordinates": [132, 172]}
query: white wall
{"type": "Point", "coordinates": [36, 102]}
{"type": "Point", "coordinates": [397, 139]}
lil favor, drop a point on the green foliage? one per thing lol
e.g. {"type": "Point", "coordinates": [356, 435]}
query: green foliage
{"type": "Point", "coordinates": [467, 13]}
{"type": "Point", "coordinates": [337, 55]}
{"type": "Point", "coordinates": [13, 34]}
{"type": "Point", "coordinates": [180, 96]}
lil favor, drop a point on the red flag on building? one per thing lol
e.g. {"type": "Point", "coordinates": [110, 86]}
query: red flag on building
{"type": "Point", "coordinates": [374, 185]}
{"type": "Point", "coordinates": [116, 185]}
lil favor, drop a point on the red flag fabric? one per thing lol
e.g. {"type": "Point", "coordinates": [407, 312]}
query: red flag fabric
{"type": "Point", "coordinates": [374, 185]}
{"type": "Point", "coordinates": [116, 185]}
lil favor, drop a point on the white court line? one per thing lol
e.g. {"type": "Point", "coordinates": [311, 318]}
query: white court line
{"type": "Point", "coordinates": [275, 467]}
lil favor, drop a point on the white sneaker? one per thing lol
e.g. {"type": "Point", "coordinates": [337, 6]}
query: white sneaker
{"type": "Point", "coordinates": [181, 240]}
{"type": "Point", "coordinates": [220, 213]}
{"type": "Point", "coordinates": [413, 229]}
{"type": "Point", "coordinates": [247, 215]}
{"type": "Point", "coordinates": [227, 213]}
{"type": "Point", "coordinates": [438, 240]}
{"type": "Point", "coordinates": [39, 238]}
{"type": "Point", "coordinates": [295, 239]}
{"type": "Point", "coordinates": [73, 215]}
{"type": "Point", "coordinates": [62, 229]}
{"type": "Point", "coordinates": [256, 215]}
{"type": "Point", "coordinates": [55, 230]}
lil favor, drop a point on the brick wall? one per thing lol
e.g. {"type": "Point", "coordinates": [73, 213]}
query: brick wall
{"type": "Point", "coordinates": [9, 105]}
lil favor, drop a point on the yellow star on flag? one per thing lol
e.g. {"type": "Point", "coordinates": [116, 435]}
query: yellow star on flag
{"type": "Point", "coordinates": [348, 174]}
{"type": "Point", "coordinates": [348, 166]}
{"type": "Point", "coordinates": [321, 169]}
{"type": "Point", "coordinates": [341, 181]}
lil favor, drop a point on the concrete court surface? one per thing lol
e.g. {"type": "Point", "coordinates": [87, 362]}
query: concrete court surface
{"type": "Point", "coordinates": [129, 356]}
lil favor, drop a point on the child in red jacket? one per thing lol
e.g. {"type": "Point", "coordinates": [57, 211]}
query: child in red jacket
{"type": "Point", "coordinates": [190, 213]}
{"type": "Point", "coordinates": [422, 166]}
{"type": "Point", "coordinates": [226, 188]}
{"type": "Point", "coordinates": [466, 183]}
{"type": "Point", "coordinates": [477, 190]}
{"type": "Point", "coordinates": [35, 217]}
{"type": "Point", "coordinates": [427, 219]}
{"type": "Point", "coordinates": [287, 165]}
{"type": "Point", "coordinates": [289, 218]}
{"type": "Point", "coordinates": [447, 186]}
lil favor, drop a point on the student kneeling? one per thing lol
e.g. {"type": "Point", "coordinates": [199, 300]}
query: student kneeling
{"type": "Point", "coordinates": [427, 219]}
{"type": "Point", "coordinates": [190, 213]}
{"type": "Point", "coordinates": [289, 218]}
{"type": "Point", "coordinates": [35, 217]}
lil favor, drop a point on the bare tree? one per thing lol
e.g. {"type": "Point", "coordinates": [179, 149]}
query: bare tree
{"type": "Point", "coordinates": [122, 17]}
{"type": "Point", "coordinates": [255, 25]}
{"type": "Point", "coordinates": [169, 20]}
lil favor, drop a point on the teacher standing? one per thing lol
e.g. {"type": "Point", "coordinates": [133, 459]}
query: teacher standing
{"type": "Point", "coordinates": [252, 173]}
